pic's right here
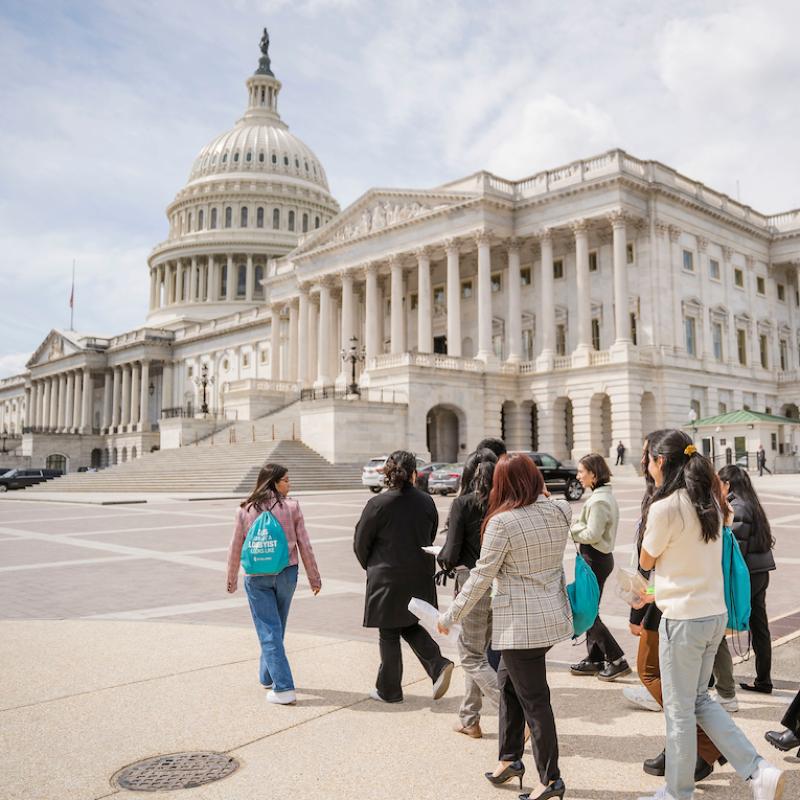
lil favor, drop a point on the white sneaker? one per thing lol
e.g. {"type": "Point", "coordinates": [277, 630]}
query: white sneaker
{"type": "Point", "coordinates": [640, 697]}
{"type": "Point", "coordinates": [767, 782]}
{"type": "Point", "coordinates": [731, 704]}
{"type": "Point", "coordinates": [374, 695]}
{"type": "Point", "coordinates": [661, 794]}
{"type": "Point", "coordinates": [288, 698]}
{"type": "Point", "coordinates": [442, 683]}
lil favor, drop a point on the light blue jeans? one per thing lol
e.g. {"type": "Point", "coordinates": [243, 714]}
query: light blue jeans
{"type": "Point", "coordinates": [686, 651]}
{"type": "Point", "coordinates": [270, 597]}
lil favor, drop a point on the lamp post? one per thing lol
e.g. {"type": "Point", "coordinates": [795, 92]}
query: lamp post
{"type": "Point", "coordinates": [204, 380]}
{"type": "Point", "coordinates": [3, 437]}
{"type": "Point", "coordinates": [354, 355]}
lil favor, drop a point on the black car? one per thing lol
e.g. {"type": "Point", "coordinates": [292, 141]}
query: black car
{"type": "Point", "coordinates": [20, 478]}
{"type": "Point", "coordinates": [557, 476]}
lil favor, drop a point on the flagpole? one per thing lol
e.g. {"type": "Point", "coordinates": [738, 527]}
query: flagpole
{"type": "Point", "coordinates": [72, 300]}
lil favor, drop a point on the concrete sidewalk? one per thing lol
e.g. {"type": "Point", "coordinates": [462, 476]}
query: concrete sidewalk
{"type": "Point", "coordinates": [82, 699]}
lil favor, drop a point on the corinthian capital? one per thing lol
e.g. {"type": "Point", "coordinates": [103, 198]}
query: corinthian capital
{"type": "Point", "coordinates": [513, 245]}
{"type": "Point", "coordinates": [674, 233]}
{"type": "Point", "coordinates": [702, 244]}
{"type": "Point", "coordinates": [546, 235]}
{"type": "Point", "coordinates": [422, 252]}
{"type": "Point", "coordinates": [482, 236]}
{"type": "Point", "coordinates": [580, 227]}
{"type": "Point", "coordinates": [617, 218]}
{"type": "Point", "coordinates": [451, 245]}
{"type": "Point", "coordinates": [727, 253]}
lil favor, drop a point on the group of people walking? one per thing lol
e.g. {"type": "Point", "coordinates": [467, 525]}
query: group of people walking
{"type": "Point", "coordinates": [505, 545]}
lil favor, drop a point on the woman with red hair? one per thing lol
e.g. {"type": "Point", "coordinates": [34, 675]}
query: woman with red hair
{"type": "Point", "coordinates": [522, 553]}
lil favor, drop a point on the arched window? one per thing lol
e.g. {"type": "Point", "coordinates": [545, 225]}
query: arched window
{"type": "Point", "coordinates": [236, 157]}
{"type": "Point", "coordinates": [223, 281]}
{"type": "Point", "coordinates": [56, 461]}
{"type": "Point", "coordinates": [259, 276]}
{"type": "Point", "coordinates": [261, 157]}
{"type": "Point", "coordinates": [249, 156]}
{"type": "Point", "coordinates": [259, 217]}
{"type": "Point", "coordinates": [316, 222]}
{"type": "Point", "coordinates": [228, 216]}
{"type": "Point", "coordinates": [306, 163]}
{"type": "Point", "coordinates": [224, 158]}
{"type": "Point", "coordinates": [133, 453]}
{"type": "Point", "coordinates": [200, 219]}
{"type": "Point", "coordinates": [243, 217]}
{"type": "Point", "coordinates": [305, 223]}
{"type": "Point", "coordinates": [291, 220]}
{"type": "Point", "coordinates": [276, 218]}
{"type": "Point", "coordinates": [241, 281]}
{"type": "Point", "coordinates": [189, 222]}
{"type": "Point", "coordinates": [213, 224]}
{"type": "Point", "coordinates": [274, 158]}
{"type": "Point", "coordinates": [286, 161]}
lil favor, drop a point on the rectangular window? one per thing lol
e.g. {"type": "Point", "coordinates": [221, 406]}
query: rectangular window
{"type": "Point", "coordinates": [773, 440]}
{"type": "Point", "coordinates": [723, 408]}
{"type": "Point", "coordinates": [497, 283]}
{"type": "Point", "coordinates": [596, 334]}
{"type": "Point", "coordinates": [263, 357]}
{"type": "Point", "coordinates": [561, 340]}
{"type": "Point", "coordinates": [716, 336]}
{"type": "Point", "coordinates": [525, 277]}
{"type": "Point", "coordinates": [190, 372]}
{"type": "Point", "coordinates": [690, 330]}
{"type": "Point", "coordinates": [438, 295]}
{"type": "Point", "coordinates": [593, 261]}
{"type": "Point", "coordinates": [713, 269]}
{"type": "Point", "coordinates": [629, 252]}
{"type": "Point", "coordinates": [761, 285]}
{"type": "Point", "coordinates": [781, 293]}
{"type": "Point", "coordinates": [497, 345]}
{"type": "Point", "coordinates": [245, 359]}
{"type": "Point", "coordinates": [688, 260]}
{"type": "Point", "coordinates": [784, 349]}
{"type": "Point", "coordinates": [763, 350]}
{"type": "Point", "coordinates": [738, 278]}
{"type": "Point", "coordinates": [527, 344]}
{"type": "Point", "coordinates": [558, 268]}
{"type": "Point", "coordinates": [466, 290]}
{"type": "Point", "coordinates": [634, 332]}
{"type": "Point", "coordinates": [741, 345]}
{"type": "Point", "coordinates": [414, 302]}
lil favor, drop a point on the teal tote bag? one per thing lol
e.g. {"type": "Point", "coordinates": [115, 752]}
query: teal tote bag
{"type": "Point", "coordinates": [736, 582]}
{"type": "Point", "coordinates": [584, 597]}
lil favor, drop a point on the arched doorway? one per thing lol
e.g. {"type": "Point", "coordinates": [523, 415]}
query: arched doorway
{"type": "Point", "coordinates": [96, 458]}
{"type": "Point", "coordinates": [56, 461]}
{"type": "Point", "coordinates": [790, 410]}
{"type": "Point", "coordinates": [442, 434]}
{"type": "Point", "coordinates": [115, 456]}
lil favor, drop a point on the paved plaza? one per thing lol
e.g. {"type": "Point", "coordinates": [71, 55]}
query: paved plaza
{"type": "Point", "coordinates": [119, 642]}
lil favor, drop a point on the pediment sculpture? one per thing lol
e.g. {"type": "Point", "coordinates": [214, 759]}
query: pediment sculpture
{"type": "Point", "coordinates": [382, 215]}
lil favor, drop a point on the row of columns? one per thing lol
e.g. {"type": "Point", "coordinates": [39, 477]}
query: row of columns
{"type": "Point", "coordinates": [62, 403]}
{"type": "Point", "coordinates": [12, 416]}
{"type": "Point", "coordinates": [192, 280]}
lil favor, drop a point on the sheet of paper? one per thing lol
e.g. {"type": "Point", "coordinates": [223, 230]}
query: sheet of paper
{"type": "Point", "coordinates": [428, 617]}
{"type": "Point", "coordinates": [433, 549]}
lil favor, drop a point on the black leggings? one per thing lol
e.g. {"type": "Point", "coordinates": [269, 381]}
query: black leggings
{"type": "Point", "coordinates": [600, 644]}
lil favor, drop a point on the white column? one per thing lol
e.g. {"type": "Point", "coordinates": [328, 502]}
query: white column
{"type": "Point", "coordinates": [144, 397]}
{"type": "Point", "coordinates": [251, 278]}
{"type": "Point", "coordinates": [275, 344]}
{"type": "Point", "coordinates": [302, 337]}
{"type": "Point", "coordinates": [293, 342]}
{"type": "Point", "coordinates": [372, 311]}
{"type": "Point", "coordinates": [622, 326]}
{"type": "Point", "coordinates": [61, 418]}
{"type": "Point", "coordinates": [153, 286]}
{"type": "Point", "coordinates": [202, 283]}
{"type": "Point", "coordinates": [313, 329]}
{"type": "Point", "coordinates": [47, 403]}
{"type": "Point", "coordinates": [230, 283]}
{"type": "Point", "coordinates": [547, 309]}
{"type": "Point", "coordinates": [33, 406]}
{"type": "Point", "coordinates": [135, 374]}
{"type": "Point", "coordinates": [77, 407]}
{"type": "Point", "coordinates": [348, 330]}
{"type": "Point", "coordinates": [193, 282]}
{"type": "Point", "coordinates": [125, 419]}
{"type": "Point", "coordinates": [584, 298]}
{"type": "Point", "coordinates": [116, 391]}
{"type": "Point", "coordinates": [323, 336]}
{"type": "Point", "coordinates": [69, 411]}
{"type": "Point", "coordinates": [484, 296]}
{"type": "Point", "coordinates": [424, 302]}
{"type": "Point", "coordinates": [170, 271]}
{"type": "Point", "coordinates": [166, 385]}
{"type": "Point", "coordinates": [514, 293]}
{"type": "Point", "coordinates": [453, 299]}
{"type": "Point", "coordinates": [86, 413]}
{"type": "Point", "coordinates": [396, 315]}
{"type": "Point", "coordinates": [107, 400]}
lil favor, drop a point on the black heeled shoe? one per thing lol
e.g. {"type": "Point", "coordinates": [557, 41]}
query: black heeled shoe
{"type": "Point", "coordinates": [555, 789]}
{"type": "Point", "coordinates": [516, 769]}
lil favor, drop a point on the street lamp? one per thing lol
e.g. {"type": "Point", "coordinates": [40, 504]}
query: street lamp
{"type": "Point", "coordinates": [354, 355]}
{"type": "Point", "coordinates": [3, 437]}
{"type": "Point", "coordinates": [204, 380]}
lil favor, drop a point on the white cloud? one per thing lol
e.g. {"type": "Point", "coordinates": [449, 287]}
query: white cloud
{"type": "Point", "coordinates": [13, 363]}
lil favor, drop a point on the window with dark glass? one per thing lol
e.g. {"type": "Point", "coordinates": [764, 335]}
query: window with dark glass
{"type": "Point", "coordinates": [213, 218]}
{"type": "Point", "coordinates": [241, 280]}
{"type": "Point", "coordinates": [243, 217]}
{"type": "Point", "coordinates": [200, 220]}
{"type": "Point", "coordinates": [761, 285]}
{"type": "Point", "coordinates": [596, 334]}
{"type": "Point", "coordinates": [634, 331]}
{"type": "Point", "coordinates": [690, 329]}
{"type": "Point", "coordinates": [276, 218]}
{"type": "Point", "coordinates": [305, 223]}
{"type": "Point", "coordinates": [228, 216]}
{"type": "Point", "coordinates": [497, 283]}
{"type": "Point", "coordinates": [738, 278]}
{"type": "Point", "coordinates": [525, 277]}
{"type": "Point", "coordinates": [316, 222]}
{"type": "Point", "coordinates": [763, 348]}
{"type": "Point", "coordinates": [688, 260]}
{"type": "Point", "coordinates": [629, 254]}
{"type": "Point", "coordinates": [291, 220]}
{"type": "Point", "coordinates": [259, 276]}
{"type": "Point", "coordinates": [259, 217]}
{"type": "Point", "coordinates": [741, 346]}
{"type": "Point", "coordinates": [713, 268]}
{"type": "Point", "coordinates": [561, 340]}
{"type": "Point", "coordinates": [558, 268]}
{"type": "Point", "coordinates": [593, 261]}
{"type": "Point", "coordinates": [781, 292]}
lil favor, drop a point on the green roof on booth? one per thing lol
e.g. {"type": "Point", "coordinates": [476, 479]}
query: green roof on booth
{"type": "Point", "coordinates": [742, 418]}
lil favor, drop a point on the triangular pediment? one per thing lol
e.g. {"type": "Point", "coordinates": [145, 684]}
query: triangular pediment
{"type": "Point", "coordinates": [379, 210]}
{"type": "Point", "coordinates": [57, 344]}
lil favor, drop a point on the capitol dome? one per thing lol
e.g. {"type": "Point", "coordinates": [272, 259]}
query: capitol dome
{"type": "Point", "coordinates": [252, 192]}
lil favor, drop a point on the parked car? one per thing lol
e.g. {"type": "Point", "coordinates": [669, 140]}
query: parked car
{"type": "Point", "coordinates": [21, 478]}
{"type": "Point", "coordinates": [424, 473]}
{"type": "Point", "coordinates": [558, 476]}
{"type": "Point", "coordinates": [372, 473]}
{"type": "Point", "coordinates": [445, 480]}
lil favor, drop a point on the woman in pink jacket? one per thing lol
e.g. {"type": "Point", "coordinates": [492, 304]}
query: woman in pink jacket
{"type": "Point", "coordinates": [271, 595]}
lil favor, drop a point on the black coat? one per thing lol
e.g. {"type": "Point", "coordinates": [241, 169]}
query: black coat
{"type": "Point", "coordinates": [744, 529]}
{"type": "Point", "coordinates": [393, 528]}
{"type": "Point", "coordinates": [463, 543]}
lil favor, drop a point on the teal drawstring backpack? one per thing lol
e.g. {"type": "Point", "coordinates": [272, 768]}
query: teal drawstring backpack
{"type": "Point", "coordinates": [265, 550]}
{"type": "Point", "coordinates": [736, 582]}
{"type": "Point", "coordinates": [584, 597]}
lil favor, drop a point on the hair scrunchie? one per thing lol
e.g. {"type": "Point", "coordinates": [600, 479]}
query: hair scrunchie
{"type": "Point", "coordinates": [690, 450]}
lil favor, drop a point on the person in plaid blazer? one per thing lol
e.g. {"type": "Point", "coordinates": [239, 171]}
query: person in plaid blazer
{"type": "Point", "coordinates": [522, 554]}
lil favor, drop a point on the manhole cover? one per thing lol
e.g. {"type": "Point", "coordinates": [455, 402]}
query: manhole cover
{"type": "Point", "coordinates": [175, 771]}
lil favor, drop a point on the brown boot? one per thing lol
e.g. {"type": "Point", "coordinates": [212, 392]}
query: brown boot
{"type": "Point", "coordinates": [473, 731]}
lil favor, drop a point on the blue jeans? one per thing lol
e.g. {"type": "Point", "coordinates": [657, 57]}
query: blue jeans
{"type": "Point", "coordinates": [686, 650]}
{"type": "Point", "coordinates": [270, 597]}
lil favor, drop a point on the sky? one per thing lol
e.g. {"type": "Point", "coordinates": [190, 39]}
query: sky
{"type": "Point", "coordinates": [105, 104]}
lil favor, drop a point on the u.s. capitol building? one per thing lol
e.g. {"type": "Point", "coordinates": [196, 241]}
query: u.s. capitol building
{"type": "Point", "coordinates": [566, 311]}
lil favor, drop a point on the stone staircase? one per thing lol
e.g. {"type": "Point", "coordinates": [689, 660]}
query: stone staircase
{"type": "Point", "coordinates": [223, 468]}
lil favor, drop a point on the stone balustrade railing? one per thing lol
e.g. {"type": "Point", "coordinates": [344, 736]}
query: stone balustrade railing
{"type": "Point", "coordinates": [433, 360]}
{"type": "Point", "coordinates": [261, 385]}
{"type": "Point", "coordinates": [599, 357]}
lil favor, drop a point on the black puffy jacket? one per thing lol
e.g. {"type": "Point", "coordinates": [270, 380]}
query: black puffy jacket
{"type": "Point", "coordinates": [744, 529]}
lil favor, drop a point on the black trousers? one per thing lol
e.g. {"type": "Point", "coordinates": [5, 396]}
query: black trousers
{"type": "Point", "coordinates": [390, 672]}
{"type": "Point", "coordinates": [791, 719]}
{"type": "Point", "coordinates": [525, 697]}
{"type": "Point", "coordinates": [600, 644]}
{"type": "Point", "coordinates": [759, 628]}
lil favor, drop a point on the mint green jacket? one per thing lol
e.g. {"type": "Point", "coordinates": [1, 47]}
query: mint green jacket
{"type": "Point", "coordinates": [597, 524]}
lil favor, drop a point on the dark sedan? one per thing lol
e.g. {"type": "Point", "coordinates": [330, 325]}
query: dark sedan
{"type": "Point", "coordinates": [21, 478]}
{"type": "Point", "coordinates": [557, 476]}
{"type": "Point", "coordinates": [424, 473]}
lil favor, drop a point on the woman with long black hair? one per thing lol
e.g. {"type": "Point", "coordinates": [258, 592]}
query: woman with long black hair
{"type": "Point", "coordinates": [270, 595]}
{"type": "Point", "coordinates": [752, 530]}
